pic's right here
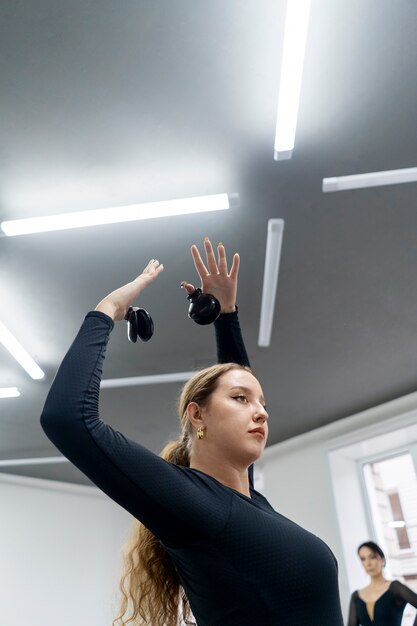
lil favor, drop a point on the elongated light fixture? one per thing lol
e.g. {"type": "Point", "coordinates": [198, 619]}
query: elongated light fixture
{"type": "Point", "coordinates": [272, 259]}
{"type": "Point", "coordinates": [397, 524]}
{"type": "Point", "coordinates": [152, 379]}
{"type": "Point", "coordinates": [19, 353]}
{"type": "Point", "coordinates": [129, 213]}
{"type": "Point", "coordinates": [9, 392]}
{"type": "Point", "coordinates": [295, 37]}
{"type": "Point", "coordinates": [44, 460]}
{"type": "Point", "coordinates": [371, 179]}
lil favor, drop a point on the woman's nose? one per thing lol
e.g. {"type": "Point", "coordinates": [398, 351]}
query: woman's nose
{"type": "Point", "coordinates": [261, 415]}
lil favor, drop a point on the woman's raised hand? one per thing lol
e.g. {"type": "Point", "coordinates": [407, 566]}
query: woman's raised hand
{"type": "Point", "coordinates": [214, 275]}
{"type": "Point", "coordinates": [116, 304]}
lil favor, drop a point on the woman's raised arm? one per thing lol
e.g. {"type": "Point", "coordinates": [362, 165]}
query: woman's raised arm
{"type": "Point", "coordinates": [216, 279]}
{"type": "Point", "coordinates": [116, 304]}
{"type": "Point", "coordinates": [406, 594]}
{"type": "Point", "coordinates": [158, 493]}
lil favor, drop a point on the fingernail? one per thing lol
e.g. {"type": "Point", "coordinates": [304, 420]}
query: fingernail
{"type": "Point", "coordinates": [206, 239]}
{"type": "Point", "coordinates": [182, 285]}
{"type": "Point", "coordinates": [220, 243]}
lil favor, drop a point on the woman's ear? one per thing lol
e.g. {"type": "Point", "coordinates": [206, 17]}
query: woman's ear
{"type": "Point", "coordinates": [194, 414]}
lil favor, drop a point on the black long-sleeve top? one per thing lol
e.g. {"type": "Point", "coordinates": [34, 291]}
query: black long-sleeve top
{"type": "Point", "coordinates": [241, 563]}
{"type": "Point", "coordinates": [388, 609]}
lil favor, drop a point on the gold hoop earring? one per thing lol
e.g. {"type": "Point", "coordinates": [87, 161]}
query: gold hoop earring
{"type": "Point", "coordinates": [200, 432]}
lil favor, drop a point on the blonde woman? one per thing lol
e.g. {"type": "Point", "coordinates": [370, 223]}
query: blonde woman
{"type": "Point", "coordinates": [205, 540]}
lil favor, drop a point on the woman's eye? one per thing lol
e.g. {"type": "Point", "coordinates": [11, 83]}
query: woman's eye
{"type": "Point", "coordinates": [241, 398]}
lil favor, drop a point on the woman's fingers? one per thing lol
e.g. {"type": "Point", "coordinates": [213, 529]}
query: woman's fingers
{"type": "Point", "coordinates": [214, 268]}
{"type": "Point", "coordinates": [155, 269]}
{"type": "Point", "coordinates": [215, 278]}
{"type": "Point", "coordinates": [152, 266]}
{"type": "Point", "coordinates": [235, 267]}
{"type": "Point", "coordinates": [222, 262]}
{"type": "Point", "coordinates": [188, 287]}
{"type": "Point", "coordinates": [151, 271]}
{"type": "Point", "coordinates": [198, 262]}
{"type": "Point", "coordinates": [211, 260]}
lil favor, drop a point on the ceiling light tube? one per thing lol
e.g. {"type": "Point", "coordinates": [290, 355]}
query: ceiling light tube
{"type": "Point", "coordinates": [295, 37]}
{"type": "Point", "coordinates": [397, 524]}
{"type": "Point", "coordinates": [129, 213]}
{"type": "Point", "coordinates": [45, 460]}
{"type": "Point", "coordinates": [19, 353]}
{"type": "Point", "coordinates": [9, 392]}
{"type": "Point", "coordinates": [272, 259]}
{"type": "Point", "coordinates": [371, 179]}
{"type": "Point", "coordinates": [152, 379]}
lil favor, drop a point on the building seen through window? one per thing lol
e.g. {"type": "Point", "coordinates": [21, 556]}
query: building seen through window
{"type": "Point", "coordinates": [391, 486]}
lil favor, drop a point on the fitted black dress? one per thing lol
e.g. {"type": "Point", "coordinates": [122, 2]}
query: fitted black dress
{"type": "Point", "coordinates": [389, 607]}
{"type": "Point", "coordinates": [241, 563]}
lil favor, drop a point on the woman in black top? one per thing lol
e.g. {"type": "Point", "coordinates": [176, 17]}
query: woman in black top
{"type": "Point", "coordinates": [239, 562]}
{"type": "Point", "coordinates": [382, 602]}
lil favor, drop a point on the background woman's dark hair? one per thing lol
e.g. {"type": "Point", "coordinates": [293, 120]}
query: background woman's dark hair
{"type": "Point", "coordinates": [374, 547]}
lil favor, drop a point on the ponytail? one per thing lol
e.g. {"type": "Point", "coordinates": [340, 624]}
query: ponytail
{"type": "Point", "coordinates": [150, 585]}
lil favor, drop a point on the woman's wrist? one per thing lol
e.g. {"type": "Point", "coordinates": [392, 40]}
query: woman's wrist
{"type": "Point", "coordinates": [108, 308]}
{"type": "Point", "coordinates": [228, 309]}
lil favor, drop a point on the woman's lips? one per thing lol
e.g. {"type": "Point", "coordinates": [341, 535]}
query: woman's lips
{"type": "Point", "coordinates": [258, 431]}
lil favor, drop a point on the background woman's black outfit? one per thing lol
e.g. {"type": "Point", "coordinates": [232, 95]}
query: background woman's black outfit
{"type": "Point", "coordinates": [388, 610]}
{"type": "Point", "coordinates": [240, 562]}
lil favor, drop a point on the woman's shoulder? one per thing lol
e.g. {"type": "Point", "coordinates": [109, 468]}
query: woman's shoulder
{"type": "Point", "coordinates": [354, 598]}
{"type": "Point", "coordinates": [396, 585]}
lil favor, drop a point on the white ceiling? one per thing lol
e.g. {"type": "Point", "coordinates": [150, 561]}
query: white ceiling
{"type": "Point", "coordinates": [105, 104]}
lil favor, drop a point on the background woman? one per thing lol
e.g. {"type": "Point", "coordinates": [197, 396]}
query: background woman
{"type": "Point", "coordinates": [382, 602]}
{"type": "Point", "coordinates": [209, 533]}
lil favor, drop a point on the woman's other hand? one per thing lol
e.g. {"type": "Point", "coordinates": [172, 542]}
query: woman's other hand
{"type": "Point", "coordinates": [214, 275]}
{"type": "Point", "coordinates": [116, 304]}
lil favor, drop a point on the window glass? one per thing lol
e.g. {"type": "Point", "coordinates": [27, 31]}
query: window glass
{"type": "Point", "coordinates": [391, 486]}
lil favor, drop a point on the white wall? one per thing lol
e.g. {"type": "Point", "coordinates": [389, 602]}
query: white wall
{"type": "Point", "coordinates": [59, 553]}
{"type": "Point", "coordinates": [60, 544]}
{"type": "Point", "coordinates": [297, 478]}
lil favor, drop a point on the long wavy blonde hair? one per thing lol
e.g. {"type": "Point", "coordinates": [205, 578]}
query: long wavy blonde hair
{"type": "Point", "coordinates": [150, 586]}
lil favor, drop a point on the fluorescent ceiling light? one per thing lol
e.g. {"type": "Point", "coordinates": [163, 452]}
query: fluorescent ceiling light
{"type": "Point", "coordinates": [46, 460]}
{"type": "Point", "coordinates": [9, 392]}
{"type": "Point", "coordinates": [153, 379]}
{"type": "Point", "coordinates": [272, 258]}
{"type": "Point", "coordinates": [129, 213]}
{"type": "Point", "coordinates": [371, 179]}
{"type": "Point", "coordinates": [19, 353]}
{"type": "Point", "coordinates": [398, 524]}
{"type": "Point", "coordinates": [295, 36]}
